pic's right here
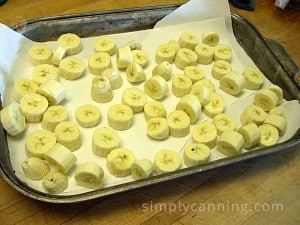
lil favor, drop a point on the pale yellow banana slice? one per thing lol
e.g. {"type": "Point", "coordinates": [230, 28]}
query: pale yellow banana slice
{"type": "Point", "coordinates": [254, 77]}
{"type": "Point", "coordinates": [191, 106]}
{"type": "Point", "coordinates": [205, 133]}
{"type": "Point", "coordinates": [98, 62]}
{"type": "Point", "coordinates": [135, 73]}
{"type": "Point", "coordinates": [44, 72]}
{"type": "Point", "coordinates": [201, 92]}
{"type": "Point", "coordinates": [53, 116]}
{"type": "Point", "coordinates": [179, 123]}
{"type": "Point", "coordinates": [220, 68]}
{"type": "Point", "coordinates": [134, 45]}
{"type": "Point", "coordinates": [188, 40]}
{"type": "Point", "coordinates": [194, 72]}
{"type": "Point", "coordinates": [39, 142]}
{"type": "Point", "coordinates": [22, 87]}
{"type": "Point", "coordinates": [33, 107]}
{"type": "Point", "coordinates": [58, 55]}
{"type": "Point", "coordinates": [163, 69]}
{"type": "Point", "coordinates": [142, 169]}
{"type": "Point", "coordinates": [12, 119]}
{"type": "Point", "coordinates": [114, 77]}
{"type": "Point", "coordinates": [120, 117]}
{"type": "Point", "coordinates": [55, 182]}
{"type": "Point", "coordinates": [154, 109]}
{"type": "Point", "coordinates": [205, 54]}
{"type": "Point", "coordinates": [165, 52]}
{"type": "Point", "coordinates": [207, 83]}
{"type": "Point", "coordinates": [89, 175]}
{"type": "Point", "coordinates": [269, 135]}
{"type": "Point", "coordinates": [210, 38]}
{"type": "Point", "coordinates": [278, 91]}
{"type": "Point", "coordinates": [266, 99]}
{"type": "Point", "coordinates": [196, 154]}
{"type": "Point", "coordinates": [124, 57]}
{"type": "Point", "coordinates": [68, 134]}
{"type": "Point", "coordinates": [71, 42]}
{"type": "Point", "coordinates": [106, 44]}
{"type": "Point", "coordinates": [104, 141]}
{"type": "Point", "coordinates": [215, 106]}
{"type": "Point", "coordinates": [135, 99]}
{"type": "Point", "coordinates": [223, 123]}
{"type": "Point", "coordinates": [174, 44]}
{"type": "Point", "coordinates": [223, 52]}
{"type": "Point", "coordinates": [101, 90]}
{"type": "Point", "coordinates": [166, 161]}
{"type": "Point", "coordinates": [185, 57]}
{"type": "Point", "coordinates": [88, 115]}
{"type": "Point", "coordinates": [71, 68]}
{"type": "Point", "coordinates": [40, 54]}
{"type": "Point", "coordinates": [119, 162]}
{"type": "Point", "coordinates": [253, 114]}
{"type": "Point", "coordinates": [251, 134]}
{"type": "Point", "coordinates": [156, 87]}
{"type": "Point", "coordinates": [230, 143]}
{"type": "Point", "coordinates": [53, 90]}
{"type": "Point", "coordinates": [277, 121]}
{"type": "Point", "coordinates": [157, 128]}
{"type": "Point", "coordinates": [35, 168]}
{"type": "Point", "coordinates": [181, 85]}
{"type": "Point", "coordinates": [278, 111]}
{"type": "Point", "coordinates": [140, 57]}
{"type": "Point", "coordinates": [233, 83]}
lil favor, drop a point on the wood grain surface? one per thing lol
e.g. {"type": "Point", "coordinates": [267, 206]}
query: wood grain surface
{"type": "Point", "coordinates": [264, 190]}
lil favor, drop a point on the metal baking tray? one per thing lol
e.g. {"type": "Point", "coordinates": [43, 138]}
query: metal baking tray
{"type": "Point", "coordinates": [268, 55]}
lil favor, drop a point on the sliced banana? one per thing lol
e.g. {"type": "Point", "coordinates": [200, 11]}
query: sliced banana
{"type": "Point", "coordinates": [71, 68]}
{"type": "Point", "coordinates": [22, 87]}
{"type": "Point", "coordinates": [266, 99]}
{"type": "Point", "coordinates": [134, 45]}
{"type": "Point", "coordinates": [278, 91]}
{"type": "Point", "coordinates": [185, 57]}
{"type": "Point", "coordinates": [223, 123]}
{"type": "Point", "coordinates": [206, 133]}
{"type": "Point", "coordinates": [53, 116]}
{"type": "Point", "coordinates": [114, 77]}
{"type": "Point", "coordinates": [251, 134]}
{"type": "Point", "coordinates": [201, 92]}
{"type": "Point", "coordinates": [98, 62]}
{"type": "Point", "coordinates": [104, 141]}
{"type": "Point", "coordinates": [254, 114]}
{"type": "Point", "coordinates": [119, 162]}
{"type": "Point", "coordinates": [210, 38]}
{"type": "Point", "coordinates": [215, 106]}
{"type": "Point", "coordinates": [71, 42]}
{"type": "Point", "coordinates": [35, 168]}
{"type": "Point", "coordinates": [135, 99]}
{"type": "Point", "coordinates": [254, 77]}
{"type": "Point", "coordinates": [40, 54]}
{"type": "Point", "coordinates": [87, 115]}
{"type": "Point", "coordinates": [196, 154]}
{"type": "Point", "coordinates": [205, 54]}
{"type": "Point", "coordinates": [277, 121]}
{"type": "Point", "coordinates": [179, 123]}
{"type": "Point", "coordinates": [269, 135]}
{"type": "Point", "coordinates": [278, 111]}
{"type": "Point", "coordinates": [221, 68]}
{"type": "Point", "coordinates": [163, 69]}
{"type": "Point", "coordinates": [68, 134]}
{"type": "Point", "coordinates": [194, 72]}
{"type": "Point", "coordinates": [101, 90]}
{"type": "Point", "coordinates": [188, 40]}
{"type": "Point", "coordinates": [207, 83]}
{"type": "Point", "coordinates": [55, 182]}
{"type": "Point", "coordinates": [106, 44]}
{"type": "Point", "coordinates": [191, 106]}
{"type": "Point", "coordinates": [154, 109]}
{"type": "Point", "coordinates": [120, 117]}
{"type": "Point", "coordinates": [181, 85]}
{"type": "Point", "coordinates": [165, 52]}
{"type": "Point", "coordinates": [223, 52]}
{"type": "Point", "coordinates": [44, 72]}
{"type": "Point", "coordinates": [124, 57]}
{"type": "Point", "coordinates": [89, 175]}
{"type": "Point", "coordinates": [166, 161]}
{"type": "Point", "coordinates": [135, 73]}
{"type": "Point", "coordinates": [174, 44]}
{"type": "Point", "coordinates": [157, 128]}
{"type": "Point", "coordinates": [142, 169]}
{"type": "Point", "coordinates": [233, 83]}
{"type": "Point", "coordinates": [230, 143]}
{"type": "Point", "coordinates": [156, 87]}
{"type": "Point", "coordinates": [58, 55]}
{"type": "Point", "coordinates": [140, 57]}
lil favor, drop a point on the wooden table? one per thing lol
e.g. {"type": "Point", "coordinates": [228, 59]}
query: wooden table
{"type": "Point", "coordinates": [265, 190]}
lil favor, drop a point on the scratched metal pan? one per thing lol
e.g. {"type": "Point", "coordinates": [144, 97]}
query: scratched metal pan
{"type": "Point", "coordinates": [268, 55]}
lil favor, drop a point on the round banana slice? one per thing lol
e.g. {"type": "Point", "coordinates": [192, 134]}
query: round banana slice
{"type": "Point", "coordinates": [205, 54]}
{"type": "Point", "coordinates": [101, 90]}
{"type": "Point", "coordinates": [135, 73]}
{"type": "Point", "coordinates": [179, 123]}
{"type": "Point", "coordinates": [266, 99]}
{"type": "Point", "coordinates": [191, 106]}
{"type": "Point", "coordinates": [55, 182]}
{"type": "Point", "coordinates": [251, 134]}
{"type": "Point", "coordinates": [40, 54]}
{"type": "Point", "coordinates": [278, 91]}
{"type": "Point", "coordinates": [185, 57]}
{"type": "Point", "coordinates": [277, 121]}
{"type": "Point", "coordinates": [196, 154]}
{"type": "Point", "coordinates": [269, 135]}
{"type": "Point", "coordinates": [58, 55]}
{"type": "Point", "coordinates": [233, 83]}
{"type": "Point", "coordinates": [124, 57]}
{"type": "Point", "coordinates": [142, 169]}
{"type": "Point", "coordinates": [181, 85]}
{"type": "Point", "coordinates": [230, 143]}
{"type": "Point", "coordinates": [154, 109]}
{"type": "Point", "coordinates": [174, 44]}
{"type": "Point", "coordinates": [140, 57]}
{"type": "Point", "coordinates": [88, 115]}
{"type": "Point", "coordinates": [278, 111]}
{"type": "Point", "coordinates": [71, 42]}
{"type": "Point", "coordinates": [188, 40]}
{"type": "Point", "coordinates": [157, 128]}
{"type": "Point", "coordinates": [210, 38]}
{"type": "Point", "coordinates": [68, 134]}
{"type": "Point", "coordinates": [134, 45]}
{"type": "Point", "coordinates": [165, 52]}
{"type": "Point", "coordinates": [71, 68]}
{"type": "Point", "coordinates": [223, 52]}
{"type": "Point", "coordinates": [53, 116]}
{"type": "Point", "coordinates": [22, 87]}
{"type": "Point", "coordinates": [253, 114]}
{"type": "Point", "coordinates": [205, 133]}
{"type": "Point", "coordinates": [114, 77]}
{"type": "Point", "coordinates": [254, 78]}
{"type": "Point", "coordinates": [35, 168]}
{"type": "Point", "coordinates": [215, 106]}
{"type": "Point", "coordinates": [120, 117]}
{"type": "Point", "coordinates": [201, 92]}
{"type": "Point", "coordinates": [166, 161]}
{"type": "Point", "coordinates": [156, 87]}
{"type": "Point", "coordinates": [135, 99]}
{"type": "Point", "coordinates": [98, 62]}
{"type": "Point", "coordinates": [89, 175]}
{"type": "Point", "coordinates": [207, 83]}
{"type": "Point", "coordinates": [44, 72]}
{"type": "Point", "coordinates": [106, 44]}
{"type": "Point", "coordinates": [223, 123]}
{"type": "Point", "coordinates": [194, 72]}
{"type": "Point", "coordinates": [163, 69]}
{"type": "Point", "coordinates": [221, 68]}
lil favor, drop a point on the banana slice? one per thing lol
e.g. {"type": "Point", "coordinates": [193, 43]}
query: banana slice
{"type": "Point", "coordinates": [35, 168]}
{"type": "Point", "coordinates": [179, 123]}
{"type": "Point", "coordinates": [181, 85]}
{"type": "Point", "coordinates": [87, 115]}
{"type": "Point", "coordinates": [71, 68]}
{"type": "Point", "coordinates": [142, 169]}
{"type": "Point", "coordinates": [22, 87]}
{"type": "Point", "coordinates": [134, 45]}
{"type": "Point", "coordinates": [156, 87]}
{"type": "Point", "coordinates": [230, 143]}
{"type": "Point", "coordinates": [196, 154]}
{"type": "Point", "coordinates": [119, 162]}
{"type": "Point", "coordinates": [71, 42]}
{"type": "Point", "coordinates": [223, 123]}
{"type": "Point", "coordinates": [135, 99]}
{"type": "Point", "coordinates": [253, 114]}
{"type": "Point", "coordinates": [165, 52]}
{"type": "Point", "coordinates": [114, 78]}
{"type": "Point", "coordinates": [188, 40]}
{"type": "Point", "coordinates": [266, 99]}
{"type": "Point", "coordinates": [53, 90]}
{"type": "Point", "coordinates": [221, 68]}
{"type": "Point", "coordinates": [251, 134]}
{"type": "Point", "coordinates": [135, 73]}
{"type": "Point", "coordinates": [269, 135]}
{"type": "Point", "coordinates": [191, 106]}
{"type": "Point", "coordinates": [154, 109]}
{"type": "Point", "coordinates": [166, 161]}
{"type": "Point", "coordinates": [60, 158]}
{"type": "Point", "coordinates": [120, 117]}
{"type": "Point", "coordinates": [215, 106]}
{"type": "Point", "coordinates": [157, 128]}
{"type": "Point", "coordinates": [194, 72]}
{"type": "Point", "coordinates": [223, 52]}
{"type": "Point", "coordinates": [278, 111]}
{"type": "Point", "coordinates": [53, 116]}
{"type": "Point", "coordinates": [278, 91]}
{"type": "Point", "coordinates": [233, 83]}
{"type": "Point", "coordinates": [101, 90]}
{"type": "Point", "coordinates": [185, 57]}
{"type": "Point", "coordinates": [140, 57]}
{"type": "Point", "coordinates": [89, 175]}
{"type": "Point", "coordinates": [163, 69]}
{"type": "Point", "coordinates": [59, 53]}
{"type": "Point", "coordinates": [174, 44]}
{"type": "Point", "coordinates": [201, 92]}
{"type": "Point", "coordinates": [124, 57]}
{"type": "Point", "coordinates": [205, 54]}
{"type": "Point", "coordinates": [12, 119]}
{"type": "Point", "coordinates": [207, 83]}
{"type": "Point", "coordinates": [254, 77]}
{"type": "Point", "coordinates": [98, 62]}
{"type": "Point", "coordinates": [44, 72]}
{"type": "Point", "coordinates": [205, 133]}
{"type": "Point", "coordinates": [104, 141]}
{"type": "Point", "coordinates": [39, 142]}
{"type": "Point", "coordinates": [33, 107]}
{"type": "Point", "coordinates": [68, 134]}
{"type": "Point", "coordinates": [210, 38]}
{"type": "Point", "coordinates": [277, 121]}
{"type": "Point", "coordinates": [40, 54]}
{"type": "Point", "coordinates": [55, 182]}
{"type": "Point", "coordinates": [106, 44]}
